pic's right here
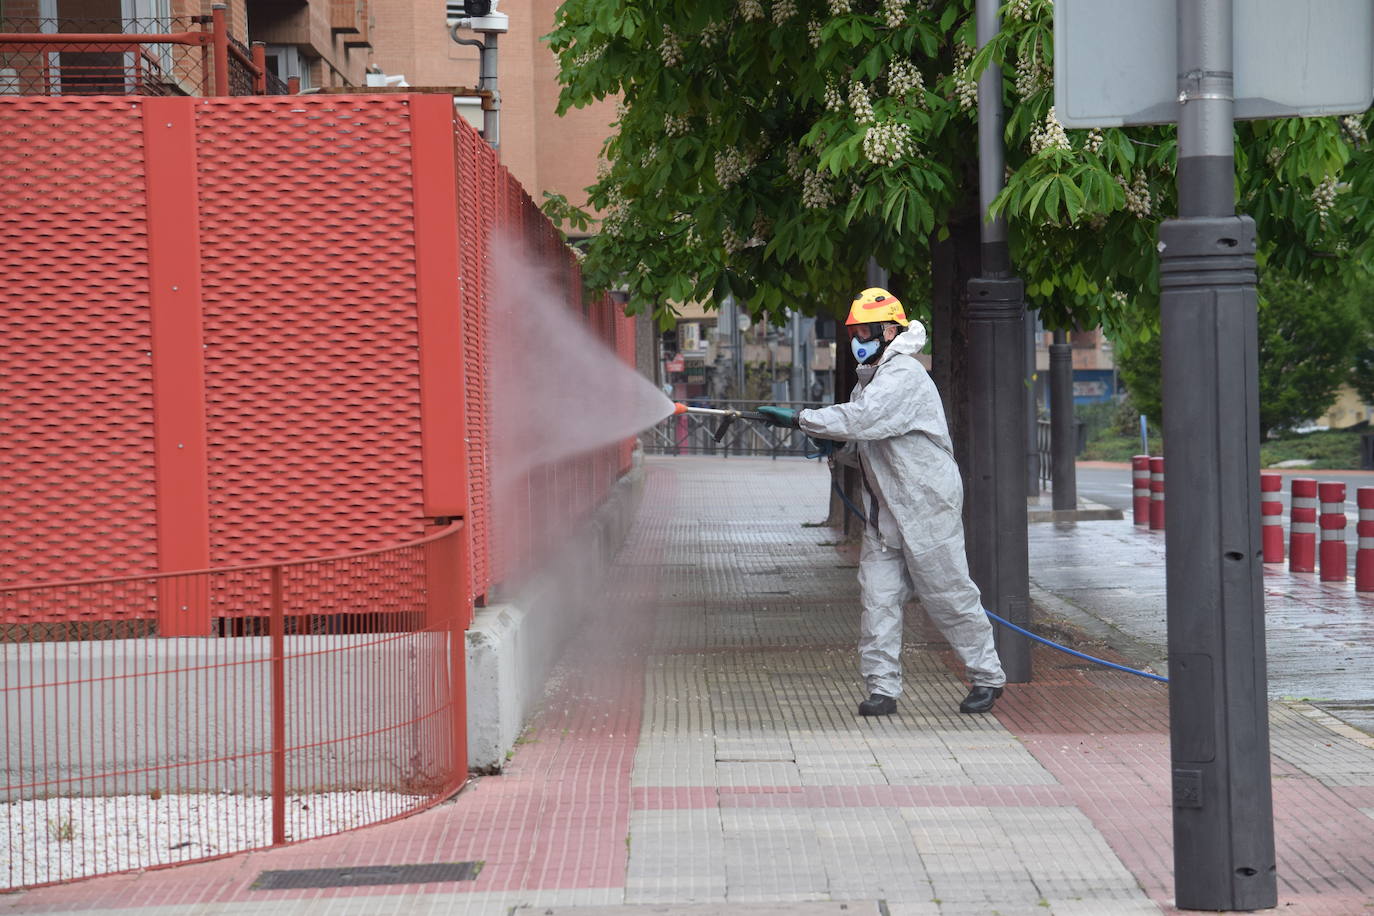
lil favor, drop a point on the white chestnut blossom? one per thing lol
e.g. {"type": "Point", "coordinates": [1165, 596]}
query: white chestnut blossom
{"type": "Point", "coordinates": [1324, 196]}
{"type": "Point", "coordinates": [816, 190]}
{"type": "Point", "coordinates": [1137, 194]}
{"type": "Point", "coordinates": [1050, 135]}
{"type": "Point", "coordinates": [731, 166]}
{"type": "Point", "coordinates": [834, 101]}
{"type": "Point", "coordinates": [670, 48]}
{"type": "Point", "coordinates": [894, 13]}
{"type": "Point", "coordinates": [1031, 74]}
{"type": "Point", "coordinates": [794, 162]}
{"type": "Point", "coordinates": [859, 102]}
{"type": "Point", "coordinates": [965, 86]}
{"type": "Point", "coordinates": [783, 10]}
{"type": "Point", "coordinates": [904, 78]}
{"type": "Point", "coordinates": [1019, 9]}
{"type": "Point", "coordinates": [839, 7]}
{"type": "Point", "coordinates": [887, 143]}
{"type": "Point", "coordinates": [813, 33]}
{"type": "Point", "coordinates": [751, 9]}
{"type": "Point", "coordinates": [712, 33]}
{"type": "Point", "coordinates": [675, 125]}
{"type": "Point", "coordinates": [1354, 129]}
{"type": "Point", "coordinates": [730, 240]}
{"type": "Point", "coordinates": [1094, 141]}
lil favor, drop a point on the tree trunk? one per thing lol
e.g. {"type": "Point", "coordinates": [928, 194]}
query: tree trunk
{"type": "Point", "coordinates": [954, 262]}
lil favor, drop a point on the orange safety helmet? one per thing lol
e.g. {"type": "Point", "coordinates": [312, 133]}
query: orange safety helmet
{"type": "Point", "coordinates": [876, 304]}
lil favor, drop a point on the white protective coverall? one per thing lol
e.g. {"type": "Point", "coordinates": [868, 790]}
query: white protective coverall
{"type": "Point", "coordinates": [914, 539]}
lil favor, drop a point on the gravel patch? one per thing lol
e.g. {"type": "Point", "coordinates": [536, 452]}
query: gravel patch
{"type": "Point", "coordinates": [58, 839]}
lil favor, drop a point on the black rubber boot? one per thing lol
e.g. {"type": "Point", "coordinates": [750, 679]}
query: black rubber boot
{"type": "Point", "coordinates": [878, 705]}
{"type": "Point", "coordinates": [980, 699]}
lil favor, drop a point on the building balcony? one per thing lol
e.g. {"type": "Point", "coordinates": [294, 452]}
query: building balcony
{"type": "Point", "coordinates": [167, 56]}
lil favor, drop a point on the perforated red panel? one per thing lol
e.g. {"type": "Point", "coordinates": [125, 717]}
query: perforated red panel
{"type": "Point", "coordinates": [476, 216]}
{"type": "Point", "coordinates": [312, 362]}
{"type": "Point", "coordinates": [76, 408]}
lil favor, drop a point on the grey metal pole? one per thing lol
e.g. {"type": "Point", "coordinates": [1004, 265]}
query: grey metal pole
{"type": "Point", "coordinates": [1218, 697]}
{"type": "Point", "coordinates": [797, 377]}
{"type": "Point", "coordinates": [491, 116]}
{"type": "Point", "coordinates": [1063, 431]}
{"type": "Point", "coordinates": [996, 485]}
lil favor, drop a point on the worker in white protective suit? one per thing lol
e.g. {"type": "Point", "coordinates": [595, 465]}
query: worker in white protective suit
{"type": "Point", "coordinates": [914, 536]}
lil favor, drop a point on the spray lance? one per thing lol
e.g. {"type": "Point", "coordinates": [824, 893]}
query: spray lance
{"type": "Point", "coordinates": [824, 447]}
{"type": "Point", "coordinates": [727, 416]}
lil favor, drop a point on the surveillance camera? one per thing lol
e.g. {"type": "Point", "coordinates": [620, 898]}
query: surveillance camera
{"type": "Point", "coordinates": [478, 15]}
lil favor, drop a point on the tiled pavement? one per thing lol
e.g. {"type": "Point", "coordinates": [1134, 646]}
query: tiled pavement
{"type": "Point", "coordinates": [698, 746]}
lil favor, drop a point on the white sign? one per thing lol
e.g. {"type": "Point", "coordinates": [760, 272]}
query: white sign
{"type": "Point", "coordinates": [1115, 61]}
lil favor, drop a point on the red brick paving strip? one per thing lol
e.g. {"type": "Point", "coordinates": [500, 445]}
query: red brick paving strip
{"type": "Point", "coordinates": [1104, 736]}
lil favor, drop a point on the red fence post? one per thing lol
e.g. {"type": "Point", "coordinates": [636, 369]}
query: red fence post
{"type": "Point", "coordinates": [443, 419]}
{"type": "Point", "coordinates": [277, 627]}
{"type": "Point", "coordinates": [1156, 494]}
{"type": "Point", "coordinates": [178, 363]}
{"type": "Point", "coordinates": [221, 53]}
{"type": "Point", "coordinates": [1140, 488]}
{"type": "Point", "coordinates": [1271, 517]}
{"type": "Point", "coordinates": [1332, 521]}
{"type": "Point", "coordinates": [1302, 525]}
{"type": "Point", "coordinates": [260, 62]}
{"type": "Point", "coordinates": [1364, 547]}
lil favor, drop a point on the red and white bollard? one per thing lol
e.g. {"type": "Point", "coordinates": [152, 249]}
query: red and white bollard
{"type": "Point", "coordinates": [1364, 547]}
{"type": "Point", "coordinates": [1140, 488]}
{"type": "Point", "coordinates": [1302, 526]}
{"type": "Point", "coordinates": [1156, 494]}
{"type": "Point", "coordinates": [1332, 523]}
{"type": "Point", "coordinates": [1271, 517]}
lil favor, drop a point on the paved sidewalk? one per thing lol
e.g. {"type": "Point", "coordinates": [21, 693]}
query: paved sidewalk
{"type": "Point", "coordinates": [698, 745]}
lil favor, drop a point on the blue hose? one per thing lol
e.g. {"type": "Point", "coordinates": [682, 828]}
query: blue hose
{"type": "Point", "coordinates": [1067, 651]}
{"type": "Point", "coordinates": [1011, 626]}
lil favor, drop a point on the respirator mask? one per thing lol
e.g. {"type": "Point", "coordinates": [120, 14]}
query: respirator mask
{"type": "Point", "coordinates": [867, 342]}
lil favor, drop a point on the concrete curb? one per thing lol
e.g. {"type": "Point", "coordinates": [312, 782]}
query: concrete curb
{"type": "Point", "coordinates": [1140, 653]}
{"type": "Point", "coordinates": [1087, 511]}
{"type": "Point", "coordinates": [512, 645]}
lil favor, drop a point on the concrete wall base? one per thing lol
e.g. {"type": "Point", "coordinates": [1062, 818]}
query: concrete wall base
{"type": "Point", "coordinates": [513, 645]}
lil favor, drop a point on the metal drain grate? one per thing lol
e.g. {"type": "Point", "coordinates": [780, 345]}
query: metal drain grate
{"type": "Point", "coordinates": [365, 875]}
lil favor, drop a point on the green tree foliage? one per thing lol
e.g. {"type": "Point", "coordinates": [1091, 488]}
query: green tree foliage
{"type": "Point", "coordinates": [1359, 293]}
{"type": "Point", "coordinates": [1308, 335]}
{"type": "Point", "coordinates": [767, 148]}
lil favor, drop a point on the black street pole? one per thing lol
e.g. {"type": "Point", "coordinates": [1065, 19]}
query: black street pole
{"type": "Point", "coordinates": [1063, 430]}
{"type": "Point", "coordinates": [996, 533]}
{"type": "Point", "coordinates": [1218, 697]}
{"type": "Point", "coordinates": [1032, 420]}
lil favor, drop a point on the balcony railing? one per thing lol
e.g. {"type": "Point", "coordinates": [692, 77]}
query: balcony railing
{"type": "Point", "coordinates": [164, 56]}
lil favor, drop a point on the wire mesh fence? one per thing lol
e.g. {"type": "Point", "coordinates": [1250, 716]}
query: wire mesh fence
{"type": "Point", "coordinates": [326, 696]}
{"type": "Point", "coordinates": [702, 434]}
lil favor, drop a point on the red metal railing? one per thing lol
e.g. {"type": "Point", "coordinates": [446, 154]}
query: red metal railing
{"type": "Point", "coordinates": [167, 56]}
{"type": "Point", "coordinates": [331, 697]}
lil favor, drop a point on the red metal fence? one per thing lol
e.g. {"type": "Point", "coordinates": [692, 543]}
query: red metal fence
{"type": "Point", "coordinates": [244, 333]}
{"type": "Point", "coordinates": [301, 716]}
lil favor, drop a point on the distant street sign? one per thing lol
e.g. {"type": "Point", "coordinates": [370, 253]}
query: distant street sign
{"type": "Point", "coordinates": [676, 363]}
{"type": "Point", "coordinates": [1115, 61]}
